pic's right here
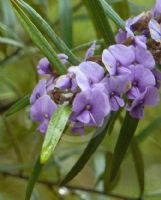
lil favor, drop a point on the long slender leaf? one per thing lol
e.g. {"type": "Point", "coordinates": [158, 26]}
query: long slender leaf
{"type": "Point", "coordinates": [46, 29]}
{"type": "Point", "coordinates": [112, 14]}
{"type": "Point", "coordinates": [65, 9]}
{"type": "Point", "coordinates": [143, 134]}
{"type": "Point", "coordinates": [93, 144]}
{"type": "Point", "coordinates": [139, 165]}
{"type": "Point", "coordinates": [20, 104]}
{"type": "Point", "coordinates": [100, 21]}
{"type": "Point", "coordinates": [39, 39]}
{"type": "Point", "coordinates": [34, 176]}
{"type": "Point", "coordinates": [55, 129]}
{"type": "Point", "coordinates": [125, 136]}
{"type": "Point", "coordinates": [9, 41]}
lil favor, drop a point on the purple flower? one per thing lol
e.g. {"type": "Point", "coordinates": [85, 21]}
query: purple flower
{"type": "Point", "coordinates": [39, 91]}
{"type": "Point", "coordinates": [149, 98]}
{"type": "Point", "coordinates": [44, 66]}
{"type": "Point", "coordinates": [116, 87]}
{"type": "Point", "coordinates": [157, 8]}
{"type": "Point", "coordinates": [90, 51]}
{"type": "Point", "coordinates": [155, 30]}
{"type": "Point", "coordinates": [90, 107]}
{"type": "Point", "coordinates": [117, 56]}
{"type": "Point", "coordinates": [42, 110]}
{"type": "Point", "coordinates": [141, 78]}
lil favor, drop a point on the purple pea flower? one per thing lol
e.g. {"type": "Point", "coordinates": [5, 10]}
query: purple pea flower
{"type": "Point", "coordinates": [39, 91]}
{"type": "Point", "coordinates": [118, 56]}
{"type": "Point", "coordinates": [44, 66]}
{"type": "Point", "coordinates": [90, 107]}
{"type": "Point", "coordinates": [42, 110]}
{"type": "Point", "coordinates": [116, 87]}
{"type": "Point", "coordinates": [150, 97]}
{"type": "Point", "coordinates": [157, 8]}
{"type": "Point", "coordinates": [141, 78]}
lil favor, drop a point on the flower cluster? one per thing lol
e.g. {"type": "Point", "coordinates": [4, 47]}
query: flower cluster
{"type": "Point", "coordinates": [126, 77]}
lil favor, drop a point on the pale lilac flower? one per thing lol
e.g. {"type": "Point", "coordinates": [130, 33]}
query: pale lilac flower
{"type": "Point", "coordinates": [141, 78]}
{"type": "Point", "coordinates": [150, 97]}
{"type": "Point", "coordinates": [42, 110]}
{"type": "Point", "coordinates": [90, 107]}
{"type": "Point", "coordinates": [39, 91]}
{"type": "Point", "coordinates": [155, 30]}
{"type": "Point", "coordinates": [157, 8]}
{"type": "Point", "coordinates": [116, 87]}
{"type": "Point", "coordinates": [44, 66]}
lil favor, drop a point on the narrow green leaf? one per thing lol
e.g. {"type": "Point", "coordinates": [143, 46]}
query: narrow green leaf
{"type": "Point", "coordinates": [93, 144]}
{"type": "Point", "coordinates": [143, 134]}
{"type": "Point", "coordinates": [125, 136]}
{"type": "Point", "coordinates": [139, 165]}
{"type": "Point", "coordinates": [20, 104]}
{"type": "Point", "coordinates": [55, 129]}
{"type": "Point", "coordinates": [100, 21]}
{"type": "Point", "coordinates": [9, 41]}
{"type": "Point", "coordinates": [46, 29]}
{"type": "Point", "coordinates": [65, 9]}
{"type": "Point", "coordinates": [112, 14]}
{"type": "Point", "coordinates": [107, 171]}
{"type": "Point", "coordinates": [39, 39]}
{"type": "Point", "coordinates": [34, 176]}
{"type": "Point", "coordinates": [122, 8]}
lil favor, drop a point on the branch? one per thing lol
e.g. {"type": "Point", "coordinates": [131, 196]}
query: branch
{"type": "Point", "coordinates": [70, 187]}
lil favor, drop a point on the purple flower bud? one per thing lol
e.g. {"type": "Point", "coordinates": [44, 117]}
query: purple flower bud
{"type": "Point", "coordinates": [63, 58]}
{"type": "Point", "coordinates": [90, 51]}
{"type": "Point", "coordinates": [90, 107]}
{"type": "Point", "coordinates": [150, 97]}
{"type": "Point", "coordinates": [39, 91]}
{"type": "Point", "coordinates": [44, 67]}
{"type": "Point", "coordinates": [42, 110]}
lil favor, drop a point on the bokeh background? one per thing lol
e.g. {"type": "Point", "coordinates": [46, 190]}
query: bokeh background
{"type": "Point", "coordinates": [20, 142]}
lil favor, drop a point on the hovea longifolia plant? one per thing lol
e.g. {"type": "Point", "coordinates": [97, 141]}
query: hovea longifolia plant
{"type": "Point", "coordinates": [91, 98]}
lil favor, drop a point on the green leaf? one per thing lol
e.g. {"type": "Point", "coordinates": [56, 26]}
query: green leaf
{"type": "Point", "coordinates": [34, 176]}
{"type": "Point", "coordinates": [112, 14]}
{"type": "Point", "coordinates": [46, 30]}
{"type": "Point", "coordinates": [9, 41]}
{"type": "Point", "coordinates": [122, 8]}
{"type": "Point", "coordinates": [93, 144]}
{"type": "Point", "coordinates": [143, 134]}
{"type": "Point", "coordinates": [100, 21]}
{"type": "Point", "coordinates": [139, 165]}
{"type": "Point", "coordinates": [125, 136]}
{"type": "Point", "coordinates": [55, 129]}
{"type": "Point", "coordinates": [20, 104]}
{"type": "Point", "coordinates": [39, 39]}
{"type": "Point", "coordinates": [65, 9]}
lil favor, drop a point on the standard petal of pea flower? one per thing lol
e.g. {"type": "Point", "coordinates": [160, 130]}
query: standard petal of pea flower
{"type": "Point", "coordinates": [42, 110]}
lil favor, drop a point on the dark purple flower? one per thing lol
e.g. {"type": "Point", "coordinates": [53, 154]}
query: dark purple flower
{"type": "Point", "coordinates": [150, 97]}
{"type": "Point", "coordinates": [116, 87]}
{"type": "Point", "coordinates": [90, 107]}
{"type": "Point", "coordinates": [39, 91]}
{"type": "Point", "coordinates": [42, 110]}
{"type": "Point", "coordinates": [141, 78]}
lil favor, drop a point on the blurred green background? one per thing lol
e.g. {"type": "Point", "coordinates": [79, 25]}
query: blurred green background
{"type": "Point", "coordinates": [19, 140]}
